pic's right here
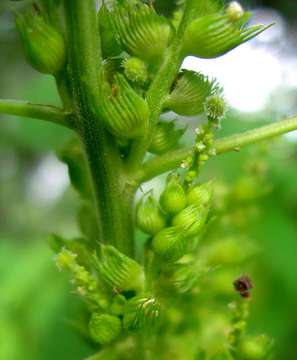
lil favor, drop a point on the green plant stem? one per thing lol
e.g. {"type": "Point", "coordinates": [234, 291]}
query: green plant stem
{"type": "Point", "coordinates": [171, 160]}
{"type": "Point", "coordinates": [112, 197]}
{"type": "Point", "coordinates": [36, 111]}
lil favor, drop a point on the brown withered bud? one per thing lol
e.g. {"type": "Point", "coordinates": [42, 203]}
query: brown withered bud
{"type": "Point", "coordinates": [243, 285]}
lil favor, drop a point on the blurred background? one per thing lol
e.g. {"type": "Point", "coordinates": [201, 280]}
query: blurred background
{"type": "Point", "coordinates": [260, 83]}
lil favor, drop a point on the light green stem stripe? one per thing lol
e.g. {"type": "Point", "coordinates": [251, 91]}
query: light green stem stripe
{"type": "Point", "coordinates": [171, 160]}
{"type": "Point", "coordinates": [35, 111]}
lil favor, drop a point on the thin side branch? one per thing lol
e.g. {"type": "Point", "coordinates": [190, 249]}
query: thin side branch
{"type": "Point", "coordinates": [36, 111]}
{"type": "Point", "coordinates": [161, 164]}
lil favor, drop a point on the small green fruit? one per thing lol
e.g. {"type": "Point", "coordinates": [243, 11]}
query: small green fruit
{"type": "Point", "coordinates": [149, 217]}
{"type": "Point", "coordinates": [124, 112]}
{"type": "Point", "coordinates": [169, 244]}
{"type": "Point", "coordinates": [165, 138]}
{"type": "Point", "coordinates": [44, 47]}
{"type": "Point", "coordinates": [191, 219]}
{"type": "Point", "coordinates": [173, 198]}
{"type": "Point", "coordinates": [104, 328]}
{"type": "Point", "coordinates": [200, 194]}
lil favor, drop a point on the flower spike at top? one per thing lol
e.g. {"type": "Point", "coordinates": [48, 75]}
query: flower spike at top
{"type": "Point", "coordinates": [214, 35]}
{"type": "Point", "coordinates": [124, 112]}
{"type": "Point", "coordinates": [142, 31]}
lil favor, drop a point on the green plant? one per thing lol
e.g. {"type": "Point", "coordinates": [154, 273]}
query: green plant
{"type": "Point", "coordinates": [117, 71]}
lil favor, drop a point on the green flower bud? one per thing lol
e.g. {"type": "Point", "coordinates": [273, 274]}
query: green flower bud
{"type": "Point", "coordinates": [190, 93]}
{"type": "Point", "coordinates": [141, 311]}
{"type": "Point", "coordinates": [200, 194]}
{"type": "Point", "coordinates": [118, 270]}
{"type": "Point", "coordinates": [143, 32]}
{"type": "Point", "coordinates": [124, 112]}
{"type": "Point", "coordinates": [104, 328]}
{"type": "Point", "coordinates": [43, 46]}
{"type": "Point", "coordinates": [118, 305]}
{"type": "Point", "coordinates": [215, 108]}
{"type": "Point", "coordinates": [135, 70]}
{"type": "Point", "coordinates": [169, 244]}
{"type": "Point", "coordinates": [173, 198]}
{"type": "Point", "coordinates": [149, 217]}
{"type": "Point", "coordinates": [166, 137]}
{"type": "Point", "coordinates": [214, 35]}
{"type": "Point", "coordinates": [192, 219]}
{"type": "Point", "coordinates": [255, 348]}
{"type": "Point", "coordinates": [110, 46]}
{"type": "Point", "coordinates": [234, 11]}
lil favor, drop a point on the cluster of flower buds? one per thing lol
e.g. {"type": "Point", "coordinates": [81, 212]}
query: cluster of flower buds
{"type": "Point", "coordinates": [44, 46]}
{"type": "Point", "coordinates": [179, 217]}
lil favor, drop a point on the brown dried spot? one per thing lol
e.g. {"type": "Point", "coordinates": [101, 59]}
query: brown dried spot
{"type": "Point", "coordinates": [243, 285]}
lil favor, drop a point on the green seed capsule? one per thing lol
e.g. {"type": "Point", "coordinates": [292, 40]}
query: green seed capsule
{"type": "Point", "coordinates": [142, 31]}
{"type": "Point", "coordinates": [200, 194]}
{"type": "Point", "coordinates": [124, 112]}
{"type": "Point", "coordinates": [169, 244]}
{"type": "Point", "coordinates": [214, 35]}
{"type": "Point", "coordinates": [44, 47]}
{"type": "Point", "coordinates": [135, 70]}
{"type": "Point", "coordinates": [191, 219]}
{"type": "Point", "coordinates": [165, 138]}
{"type": "Point", "coordinates": [104, 328]}
{"type": "Point", "coordinates": [149, 217]}
{"type": "Point", "coordinates": [190, 93]}
{"type": "Point", "coordinates": [173, 198]}
{"type": "Point", "coordinates": [118, 270]}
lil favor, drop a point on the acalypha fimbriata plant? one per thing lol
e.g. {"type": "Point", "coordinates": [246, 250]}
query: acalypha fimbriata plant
{"type": "Point", "coordinates": [117, 66]}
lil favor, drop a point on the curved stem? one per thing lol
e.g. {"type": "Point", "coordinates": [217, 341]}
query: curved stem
{"type": "Point", "coordinates": [172, 160]}
{"type": "Point", "coordinates": [36, 111]}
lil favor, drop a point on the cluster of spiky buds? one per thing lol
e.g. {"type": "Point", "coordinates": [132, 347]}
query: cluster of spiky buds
{"type": "Point", "coordinates": [44, 46]}
{"type": "Point", "coordinates": [135, 70]}
{"type": "Point", "coordinates": [186, 211]}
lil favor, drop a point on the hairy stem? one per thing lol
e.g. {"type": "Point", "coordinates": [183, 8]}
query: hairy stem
{"type": "Point", "coordinates": [36, 111]}
{"type": "Point", "coordinates": [112, 198]}
{"type": "Point", "coordinates": [171, 160]}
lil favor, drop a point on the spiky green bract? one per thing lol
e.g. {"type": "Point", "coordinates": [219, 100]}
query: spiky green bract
{"type": "Point", "coordinates": [104, 328]}
{"type": "Point", "coordinates": [135, 70]}
{"type": "Point", "coordinates": [140, 312]}
{"type": "Point", "coordinates": [173, 198]}
{"type": "Point", "coordinates": [205, 7]}
{"type": "Point", "coordinates": [166, 137]}
{"type": "Point", "coordinates": [109, 44]}
{"type": "Point", "coordinates": [124, 112]}
{"type": "Point", "coordinates": [191, 219]}
{"type": "Point", "coordinates": [190, 93]}
{"type": "Point", "coordinates": [214, 35]}
{"type": "Point", "coordinates": [44, 46]}
{"type": "Point", "coordinates": [149, 217]}
{"type": "Point", "coordinates": [143, 32]}
{"type": "Point", "coordinates": [169, 244]}
{"type": "Point", "coordinates": [118, 270]}
{"type": "Point", "coordinates": [200, 194]}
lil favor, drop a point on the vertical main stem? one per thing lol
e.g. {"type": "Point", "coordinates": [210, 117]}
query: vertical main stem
{"type": "Point", "coordinates": [114, 202]}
